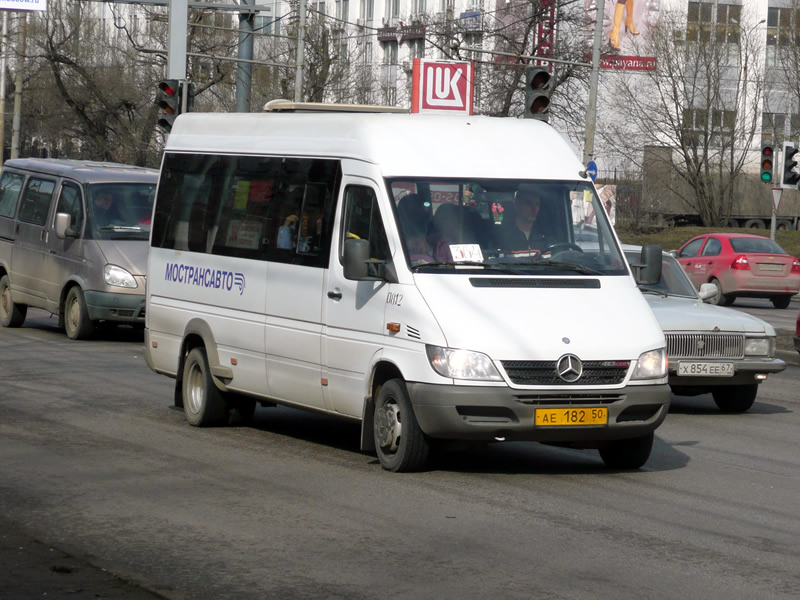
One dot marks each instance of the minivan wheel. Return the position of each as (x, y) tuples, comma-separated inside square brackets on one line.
[(627, 454), (400, 444), (203, 404), (11, 314), (76, 317), (735, 399), (781, 301)]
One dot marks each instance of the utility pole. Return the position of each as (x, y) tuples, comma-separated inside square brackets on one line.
[(244, 69), (301, 33), (3, 55), (591, 108), (18, 80)]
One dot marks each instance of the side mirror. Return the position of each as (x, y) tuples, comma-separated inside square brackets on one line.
[(63, 228), (650, 273), (358, 266), (707, 290)]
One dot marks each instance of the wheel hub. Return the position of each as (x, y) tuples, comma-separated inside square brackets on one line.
[(388, 427)]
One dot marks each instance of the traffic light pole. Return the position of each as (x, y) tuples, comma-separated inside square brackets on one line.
[(176, 47), (591, 109)]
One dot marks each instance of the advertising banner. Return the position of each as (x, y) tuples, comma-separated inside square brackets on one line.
[(40, 5), (625, 26), (442, 85)]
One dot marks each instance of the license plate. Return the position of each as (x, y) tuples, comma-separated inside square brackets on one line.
[(705, 369), (571, 417), (770, 267)]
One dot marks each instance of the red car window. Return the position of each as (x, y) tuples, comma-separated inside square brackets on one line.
[(713, 247), (691, 249)]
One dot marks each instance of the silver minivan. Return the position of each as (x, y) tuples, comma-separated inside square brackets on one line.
[(74, 240)]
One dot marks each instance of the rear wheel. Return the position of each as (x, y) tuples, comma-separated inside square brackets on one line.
[(11, 314), (719, 298), (76, 316), (781, 301), (754, 224), (203, 404), (735, 399), (627, 454), (400, 444)]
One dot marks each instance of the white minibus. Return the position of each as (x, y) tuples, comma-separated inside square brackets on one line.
[(419, 274)]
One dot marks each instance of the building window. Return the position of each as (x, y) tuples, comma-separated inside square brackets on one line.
[(724, 20), (779, 34), (773, 127)]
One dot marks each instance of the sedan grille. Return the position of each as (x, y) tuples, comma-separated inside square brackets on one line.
[(543, 372), (705, 345)]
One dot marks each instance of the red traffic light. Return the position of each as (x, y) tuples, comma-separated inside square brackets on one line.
[(169, 87)]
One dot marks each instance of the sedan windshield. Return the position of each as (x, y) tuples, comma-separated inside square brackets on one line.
[(517, 227), (121, 210)]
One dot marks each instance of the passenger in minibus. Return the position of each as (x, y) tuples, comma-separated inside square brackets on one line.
[(522, 231)]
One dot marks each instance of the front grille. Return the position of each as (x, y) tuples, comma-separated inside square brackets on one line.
[(705, 345), (576, 399), (543, 372)]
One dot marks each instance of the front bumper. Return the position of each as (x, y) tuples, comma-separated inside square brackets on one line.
[(110, 306), (487, 413)]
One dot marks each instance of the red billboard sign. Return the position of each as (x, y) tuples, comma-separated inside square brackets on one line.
[(439, 85)]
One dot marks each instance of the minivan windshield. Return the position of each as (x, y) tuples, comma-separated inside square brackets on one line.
[(519, 227), (121, 210)]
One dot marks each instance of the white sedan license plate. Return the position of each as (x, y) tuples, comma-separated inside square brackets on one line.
[(705, 369)]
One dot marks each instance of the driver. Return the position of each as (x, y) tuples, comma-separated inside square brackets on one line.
[(520, 233)]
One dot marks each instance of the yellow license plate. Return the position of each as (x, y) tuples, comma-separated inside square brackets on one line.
[(571, 417)]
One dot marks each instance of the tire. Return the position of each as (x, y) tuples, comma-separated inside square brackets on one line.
[(11, 314), (76, 316), (399, 442), (731, 223), (735, 399), (781, 301), (719, 299), (240, 409), (754, 224), (203, 403), (627, 454)]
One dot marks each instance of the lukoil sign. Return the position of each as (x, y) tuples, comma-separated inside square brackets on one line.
[(441, 85)]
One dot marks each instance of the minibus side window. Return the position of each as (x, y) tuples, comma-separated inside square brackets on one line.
[(36, 201), (10, 186), (362, 220), (69, 201)]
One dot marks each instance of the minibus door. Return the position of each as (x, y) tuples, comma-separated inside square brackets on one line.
[(64, 256), (31, 235), (353, 311)]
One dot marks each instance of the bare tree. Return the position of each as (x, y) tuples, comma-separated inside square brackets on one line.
[(700, 106)]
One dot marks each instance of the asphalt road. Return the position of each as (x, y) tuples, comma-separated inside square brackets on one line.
[(98, 469)]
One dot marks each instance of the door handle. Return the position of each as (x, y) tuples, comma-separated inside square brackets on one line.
[(335, 295)]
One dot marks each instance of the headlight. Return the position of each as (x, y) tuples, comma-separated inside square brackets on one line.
[(651, 365), (118, 277), (759, 346), (462, 364)]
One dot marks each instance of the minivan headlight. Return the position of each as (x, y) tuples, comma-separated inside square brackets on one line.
[(118, 277), (651, 365), (462, 364), (759, 346)]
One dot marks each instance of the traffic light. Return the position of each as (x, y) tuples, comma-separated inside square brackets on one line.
[(767, 162), (790, 176), (169, 101), (538, 83)]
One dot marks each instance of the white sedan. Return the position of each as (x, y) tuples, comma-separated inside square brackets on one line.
[(711, 349)]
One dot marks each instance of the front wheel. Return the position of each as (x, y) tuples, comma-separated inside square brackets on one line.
[(627, 454), (203, 403), (399, 441), (76, 316), (11, 314), (735, 399)]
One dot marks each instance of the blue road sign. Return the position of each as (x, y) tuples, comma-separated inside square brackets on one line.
[(591, 169)]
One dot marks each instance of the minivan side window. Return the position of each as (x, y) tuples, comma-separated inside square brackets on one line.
[(265, 208), (36, 201), (10, 186), (69, 201), (362, 220)]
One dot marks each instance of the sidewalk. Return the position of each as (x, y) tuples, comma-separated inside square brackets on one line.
[(35, 570)]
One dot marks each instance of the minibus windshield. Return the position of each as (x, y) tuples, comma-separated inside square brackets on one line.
[(121, 210), (524, 227)]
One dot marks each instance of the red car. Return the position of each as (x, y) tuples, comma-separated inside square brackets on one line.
[(741, 266)]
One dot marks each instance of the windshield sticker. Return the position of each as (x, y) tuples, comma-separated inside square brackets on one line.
[(205, 277), (466, 252)]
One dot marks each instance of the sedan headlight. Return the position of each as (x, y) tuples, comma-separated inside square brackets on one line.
[(759, 346), (462, 364), (118, 277), (651, 365)]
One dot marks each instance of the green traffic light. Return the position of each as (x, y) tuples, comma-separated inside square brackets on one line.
[(766, 177)]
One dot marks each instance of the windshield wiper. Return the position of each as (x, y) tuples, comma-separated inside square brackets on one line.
[(120, 228), (648, 290), (489, 266)]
